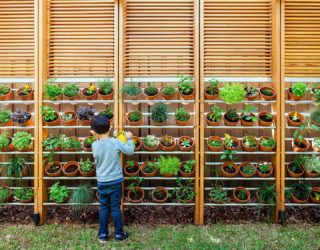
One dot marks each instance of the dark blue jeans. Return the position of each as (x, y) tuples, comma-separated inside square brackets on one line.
[(110, 200)]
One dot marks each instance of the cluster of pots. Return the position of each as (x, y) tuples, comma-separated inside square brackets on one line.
[(70, 169), (12, 198), (19, 94), (231, 169)]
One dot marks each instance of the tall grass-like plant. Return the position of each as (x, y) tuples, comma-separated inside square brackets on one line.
[(132, 91), (81, 196), (159, 112), (232, 93)]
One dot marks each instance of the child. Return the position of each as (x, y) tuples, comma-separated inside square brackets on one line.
[(106, 152)]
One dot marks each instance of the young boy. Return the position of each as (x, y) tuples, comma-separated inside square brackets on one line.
[(106, 152)]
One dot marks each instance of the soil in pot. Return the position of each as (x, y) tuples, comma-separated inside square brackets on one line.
[(241, 195), (209, 96), (131, 168), (264, 170), (229, 169), (106, 96), (267, 93), (25, 97), (149, 169), (295, 119), (71, 169), (53, 169), (235, 144), (300, 146), (136, 195), (265, 119), (230, 121), (248, 120), (151, 93), (295, 171), (159, 194), (89, 96), (187, 168)]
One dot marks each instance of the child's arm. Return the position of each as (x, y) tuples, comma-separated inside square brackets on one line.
[(126, 148)]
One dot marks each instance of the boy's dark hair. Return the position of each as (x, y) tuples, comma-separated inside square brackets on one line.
[(100, 124)]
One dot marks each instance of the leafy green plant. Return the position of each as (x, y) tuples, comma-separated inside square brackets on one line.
[(86, 166), (215, 114), (25, 90), (249, 141), (105, 87), (5, 116), (149, 167), (248, 169), (135, 116), (215, 143), (267, 92), (264, 167), (228, 141), (184, 192), (168, 165), (301, 189), (185, 85), (315, 92), (150, 141), (23, 194), (85, 113), (4, 140), (268, 142), (232, 93), (303, 131), (188, 166), (295, 117), (58, 193), (315, 115), (316, 142), (299, 89), (72, 143), (136, 192), (71, 90), (150, 91), (4, 89), (298, 164), (132, 91), (247, 113), (4, 194), (22, 140), (15, 166), (182, 114), (159, 112), (53, 142), (80, 196), (241, 194), (232, 115), (132, 167), (52, 92), (108, 113), (87, 142), (312, 164), (168, 90), (229, 155), (251, 91), (212, 87), (48, 114), (267, 194), (218, 194)]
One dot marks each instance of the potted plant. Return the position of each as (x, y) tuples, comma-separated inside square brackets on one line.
[(185, 143), (71, 91), (50, 117), (267, 194), (53, 143), (80, 196), (264, 169), (132, 91), (87, 143), (168, 92), (315, 92), (229, 169), (149, 169), (72, 144), (295, 119), (231, 142), (16, 167), (186, 87), (215, 143), (312, 166), (87, 168), (71, 169), (296, 168), (167, 143), (69, 118), (214, 117), (137, 143), (131, 168), (85, 115), (218, 195), (150, 143), (247, 170), (168, 166), (23, 195), (297, 91), (159, 113), (25, 93), (5, 92), (105, 89), (232, 93), (316, 144), (90, 93), (252, 93), (22, 141), (151, 92), (187, 168), (5, 142), (135, 118), (267, 144), (265, 119), (58, 193), (21, 118), (211, 91), (300, 192), (315, 116), (231, 118), (247, 116), (135, 193), (249, 143), (300, 144), (184, 192), (5, 118), (182, 117), (159, 195), (53, 169), (5, 195), (241, 195), (108, 113), (315, 195), (52, 92), (268, 93)]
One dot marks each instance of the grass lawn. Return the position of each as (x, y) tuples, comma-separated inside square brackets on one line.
[(243, 236)]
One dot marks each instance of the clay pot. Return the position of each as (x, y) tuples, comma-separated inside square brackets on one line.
[(137, 123), (263, 148), (148, 97), (211, 123), (292, 174), (184, 174), (294, 199), (10, 146), (188, 97), (299, 149), (69, 165), (72, 149), (314, 147), (106, 97), (132, 174), (312, 199), (237, 142), (56, 122), (72, 122), (90, 97), (8, 96), (158, 123), (214, 138), (157, 200), (246, 164), (228, 123), (24, 201), (252, 97), (138, 148), (265, 97), (250, 149), (85, 122), (167, 97), (71, 98), (229, 175), (262, 122), (88, 149), (27, 97), (236, 199), (211, 97), (87, 174), (310, 174), (247, 123), (170, 148), (153, 173), (10, 196), (137, 189), (293, 123), (25, 124), (292, 96), (181, 148), (262, 175), (7, 124), (56, 174), (182, 123)]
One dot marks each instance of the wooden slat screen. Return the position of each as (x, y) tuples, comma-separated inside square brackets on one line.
[(237, 37), (16, 38), (158, 37), (81, 38), (302, 38)]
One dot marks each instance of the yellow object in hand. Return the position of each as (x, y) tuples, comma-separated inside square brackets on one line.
[(122, 137)]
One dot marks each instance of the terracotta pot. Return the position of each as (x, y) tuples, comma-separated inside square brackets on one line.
[(183, 148), (25, 124), (215, 138), (263, 148), (235, 140), (7, 124), (211, 123), (72, 122), (137, 123), (226, 174), (262, 122), (182, 123), (85, 122), (170, 148), (56, 122), (167, 97), (90, 97), (27, 97), (153, 97), (211, 97), (312, 199), (88, 149), (88, 174), (145, 173), (68, 165), (138, 189), (262, 175), (158, 123), (294, 199), (292, 174), (188, 97), (56, 174), (10, 196), (247, 123), (292, 96), (250, 149), (71, 98), (243, 164), (314, 147), (151, 149), (236, 199), (8, 96), (228, 123), (132, 174), (298, 149), (162, 189), (167, 175), (184, 174), (310, 174), (252, 97), (10, 146), (106, 97), (293, 123), (138, 148), (24, 201), (268, 98)]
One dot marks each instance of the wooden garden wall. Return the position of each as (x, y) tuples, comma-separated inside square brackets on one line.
[(258, 43)]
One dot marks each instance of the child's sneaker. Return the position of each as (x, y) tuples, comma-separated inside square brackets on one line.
[(102, 238), (120, 237)]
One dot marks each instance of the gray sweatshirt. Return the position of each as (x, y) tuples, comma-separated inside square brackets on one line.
[(106, 153)]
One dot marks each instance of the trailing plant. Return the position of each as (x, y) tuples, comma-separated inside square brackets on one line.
[(52, 92), (268, 142), (22, 140), (4, 89), (168, 165), (299, 89), (150, 141), (312, 164), (132, 91), (188, 166), (232, 93), (229, 155), (72, 143), (23, 194), (185, 190), (91, 90), (87, 165), (250, 141), (85, 113), (247, 113), (71, 90), (81, 195), (135, 116), (20, 117), (53, 142), (301, 189), (105, 86), (4, 140), (212, 87), (159, 112), (151, 90), (185, 85), (48, 114), (5, 116), (108, 113), (168, 90), (182, 114), (215, 114), (218, 194), (58, 193)]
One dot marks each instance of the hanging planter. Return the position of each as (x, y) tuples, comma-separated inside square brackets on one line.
[(267, 144), (25, 93), (71, 169), (300, 145), (151, 93), (53, 169), (71, 92), (168, 143), (215, 143), (265, 119), (159, 195), (247, 170), (241, 195), (252, 93), (5, 93), (187, 168), (168, 92), (90, 93), (137, 143), (231, 142), (249, 144), (211, 91), (69, 119), (135, 118), (314, 195), (268, 93), (229, 169), (149, 169), (295, 119), (264, 169), (105, 90), (231, 118), (185, 143), (295, 169), (182, 117), (87, 168), (131, 168)]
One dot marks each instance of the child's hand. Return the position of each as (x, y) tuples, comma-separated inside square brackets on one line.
[(128, 135)]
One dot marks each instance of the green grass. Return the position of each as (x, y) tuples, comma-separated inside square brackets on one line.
[(243, 236)]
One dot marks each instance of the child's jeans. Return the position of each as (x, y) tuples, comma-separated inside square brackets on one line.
[(110, 199)]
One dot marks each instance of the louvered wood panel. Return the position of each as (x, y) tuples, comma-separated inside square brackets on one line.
[(16, 38), (237, 37), (81, 38), (302, 38), (158, 37)]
